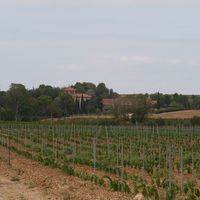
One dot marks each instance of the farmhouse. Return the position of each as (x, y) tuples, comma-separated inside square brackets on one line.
[(78, 97)]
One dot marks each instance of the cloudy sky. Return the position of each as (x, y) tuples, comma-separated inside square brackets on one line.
[(131, 45)]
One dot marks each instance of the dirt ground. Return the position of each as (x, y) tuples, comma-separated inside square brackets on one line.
[(27, 180), (16, 190), (185, 114), (14, 186)]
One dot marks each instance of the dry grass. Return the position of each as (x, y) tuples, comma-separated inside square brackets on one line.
[(185, 114)]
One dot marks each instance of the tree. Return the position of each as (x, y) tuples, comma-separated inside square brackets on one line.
[(67, 104), (45, 90), (17, 100), (140, 108), (167, 100), (85, 87), (158, 101), (92, 105), (182, 100), (196, 102), (134, 104), (56, 107), (21, 104), (139, 114), (102, 90), (44, 106), (83, 104), (2, 103)]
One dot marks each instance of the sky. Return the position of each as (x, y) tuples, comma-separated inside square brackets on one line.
[(134, 46)]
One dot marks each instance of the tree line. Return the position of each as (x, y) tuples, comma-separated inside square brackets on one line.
[(19, 103), (137, 106), (167, 102)]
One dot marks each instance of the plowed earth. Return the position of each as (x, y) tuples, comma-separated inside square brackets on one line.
[(26, 179)]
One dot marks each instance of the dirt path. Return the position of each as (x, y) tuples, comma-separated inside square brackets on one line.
[(16, 190)]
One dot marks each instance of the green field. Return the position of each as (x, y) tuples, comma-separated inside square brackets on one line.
[(160, 162)]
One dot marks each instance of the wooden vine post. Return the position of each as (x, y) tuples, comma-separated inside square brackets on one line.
[(9, 146)]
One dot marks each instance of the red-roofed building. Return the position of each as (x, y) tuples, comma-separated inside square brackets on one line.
[(78, 97), (70, 90)]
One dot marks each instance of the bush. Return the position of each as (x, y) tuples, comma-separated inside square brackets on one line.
[(195, 121), (160, 122)]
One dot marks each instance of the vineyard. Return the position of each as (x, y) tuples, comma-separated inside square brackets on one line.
[(159, 162)]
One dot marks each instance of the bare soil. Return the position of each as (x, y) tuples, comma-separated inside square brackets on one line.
[(12, 189), (28, 179), (185, 114)]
